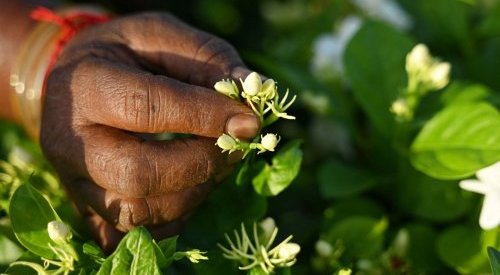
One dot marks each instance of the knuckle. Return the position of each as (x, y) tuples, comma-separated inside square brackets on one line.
[(132, 180), (134, 212), (140, 104)]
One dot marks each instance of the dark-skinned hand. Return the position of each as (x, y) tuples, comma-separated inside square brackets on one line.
[(145, 73)]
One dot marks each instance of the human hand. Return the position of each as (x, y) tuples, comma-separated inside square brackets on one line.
[(145, 73)]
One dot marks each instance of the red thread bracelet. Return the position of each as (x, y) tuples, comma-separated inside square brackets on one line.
[(71, 23)]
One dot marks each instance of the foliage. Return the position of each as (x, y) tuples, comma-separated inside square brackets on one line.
[(373, 191)]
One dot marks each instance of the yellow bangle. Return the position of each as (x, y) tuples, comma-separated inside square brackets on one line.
[(28, 76), (29, 73)]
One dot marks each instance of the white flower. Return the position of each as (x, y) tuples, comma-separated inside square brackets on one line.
[(328, 49), (59, 232), (440, 75), (488, 184), (268, 90), (323, 248), (288, 251), (227, 88), (269, 142), (252, 84), (387, 11), (227, 142), (418, 59)]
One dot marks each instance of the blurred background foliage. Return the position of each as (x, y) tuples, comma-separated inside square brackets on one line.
[(358, 202)]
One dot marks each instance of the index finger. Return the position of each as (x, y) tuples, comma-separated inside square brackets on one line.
[(134, 100)]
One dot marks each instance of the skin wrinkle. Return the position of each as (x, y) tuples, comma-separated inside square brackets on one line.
[(108, 71)]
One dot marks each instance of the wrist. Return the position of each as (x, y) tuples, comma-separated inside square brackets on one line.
[(37, 56)]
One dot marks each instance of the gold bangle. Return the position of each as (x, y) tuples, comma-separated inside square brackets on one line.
[(28, 75)]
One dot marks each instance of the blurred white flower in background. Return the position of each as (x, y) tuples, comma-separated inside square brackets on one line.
[(488, 184), (385, 10), (328, 49)]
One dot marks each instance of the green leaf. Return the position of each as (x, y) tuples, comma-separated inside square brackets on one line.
[(274, 178), (94, 251), (432, 199), (135, 254), (445, 21), (460, 93), (458, 141), (375, 62), (464, 248), (30, 213), (422, 249), (494, 256), (167, 249), (362, 237), (337, 180), (248, 171)]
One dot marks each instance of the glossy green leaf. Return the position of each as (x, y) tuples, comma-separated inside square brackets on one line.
[(92, 250), (362, 237), (273, 179), (30, 213), (458, 141), (135, 254), (494, 256), (374, 62), (464, 248), (338, 180)]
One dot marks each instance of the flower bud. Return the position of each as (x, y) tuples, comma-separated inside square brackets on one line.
[(268, 90), (269, 142), (323, 248), (288, 251), (59, 232), (268, 225), (226, 142), (418, 59), (252, 84), (400, 108), (196, 255), (227, 88), (440, 75)]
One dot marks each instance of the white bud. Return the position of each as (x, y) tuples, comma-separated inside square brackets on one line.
[(440, 75), (269, 142), (59, 232), (323, 248), (418, 59), (268, 225), (268, 89), (227, 87), (252, 84), (288, 251), (400, 108), (226, 142)]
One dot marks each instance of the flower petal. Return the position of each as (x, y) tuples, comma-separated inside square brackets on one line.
[(490, 213), (490, 174), (474, 186)]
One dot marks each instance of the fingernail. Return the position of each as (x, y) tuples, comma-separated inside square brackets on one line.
[(242, 126)]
